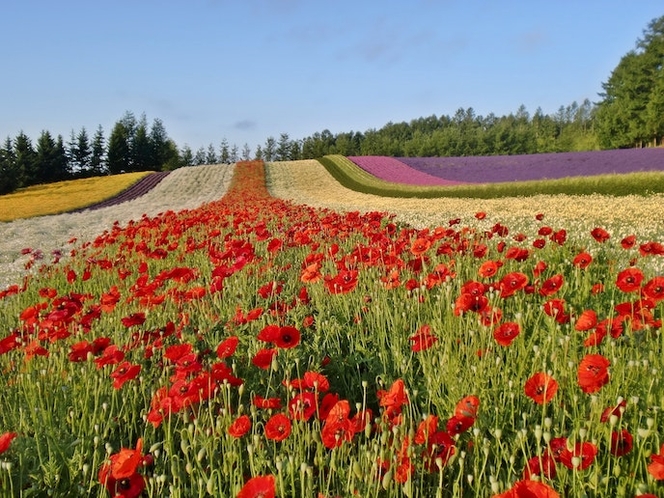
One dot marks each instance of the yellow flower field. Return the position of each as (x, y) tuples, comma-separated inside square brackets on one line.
[(61, 197)]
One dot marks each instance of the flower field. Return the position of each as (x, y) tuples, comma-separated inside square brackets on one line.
[(292, 338), (40, 200), (524, 167)]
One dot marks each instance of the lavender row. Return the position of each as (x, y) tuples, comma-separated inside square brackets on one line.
[(138, 189), (489, 169), (393, 170)]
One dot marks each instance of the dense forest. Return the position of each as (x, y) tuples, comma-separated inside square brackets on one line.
[(629, 114)]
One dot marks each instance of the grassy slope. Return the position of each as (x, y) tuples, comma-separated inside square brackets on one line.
[(353, 177), (60, 197)]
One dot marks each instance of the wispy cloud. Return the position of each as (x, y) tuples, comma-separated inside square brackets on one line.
[(245, 124)]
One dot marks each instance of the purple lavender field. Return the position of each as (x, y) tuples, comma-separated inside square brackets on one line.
[(394, 170), (492, 169)]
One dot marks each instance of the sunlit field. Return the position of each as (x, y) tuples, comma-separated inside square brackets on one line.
[(61, 197), (305, 340)]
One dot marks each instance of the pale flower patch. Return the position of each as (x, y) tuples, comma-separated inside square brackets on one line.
[(184, 188)]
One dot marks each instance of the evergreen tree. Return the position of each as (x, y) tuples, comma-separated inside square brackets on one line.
[(283, 148), (80, 153), (259, 153), (97, 159), (186, 156), (234, 155), (246, 152), (26, 160), (160, 145), (211, 155), (270, 149), (118, 158), (171, 157), (8, 174), (45, 170), (61, 164), (199, 157), (224, 152), (623, 118), (142, 158)]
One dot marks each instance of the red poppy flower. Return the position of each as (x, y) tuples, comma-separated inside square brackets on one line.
[(440, 447), (629, 280), (559, 237), (654, 289), (227, 347), (556, 309), (621, 443), (511, 283), (470, 302), (551, 285), (316, 381), (278, 427), (395, 397), (580, 457), (427, 427), (539, 243), (259, 487), (582, 260), (287, 337), (628, 242), (124, 372), (344, 282), (112, 355), (506, 332), (274, 245), (593, 373), (303, 406), (420, 246), (467, 407), (6, 440), (600, 235), (128, 487), (489, 269), (458, 425), (240, 426), (133, 319), (540, 466), (613, 411), (656, 466), (126, 461), (651, 249), (587, 320), (266, 403), (541, 388), (263, 358), (423, 339), (528, 488)]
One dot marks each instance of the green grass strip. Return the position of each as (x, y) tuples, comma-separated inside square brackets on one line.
[(355, 178)]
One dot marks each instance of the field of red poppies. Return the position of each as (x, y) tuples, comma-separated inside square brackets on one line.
[(254, 347)]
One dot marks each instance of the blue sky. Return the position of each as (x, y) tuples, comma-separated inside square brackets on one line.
[(245, 70)]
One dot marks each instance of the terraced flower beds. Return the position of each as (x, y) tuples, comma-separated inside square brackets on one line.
[(253, 346), (493, 169), (140, 188), (383, 177), (394, 170), (27, 243), (61, 197)]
